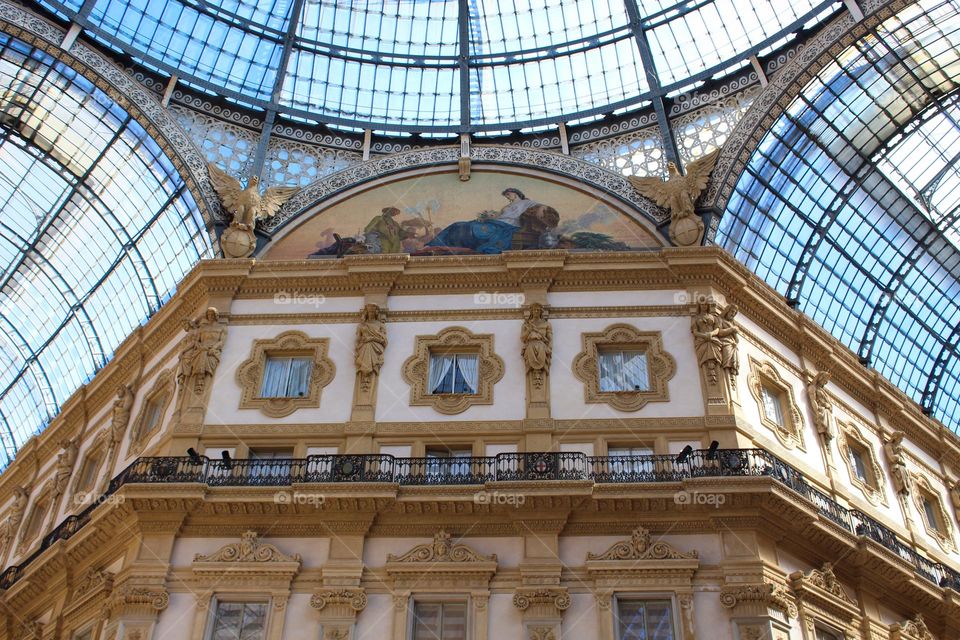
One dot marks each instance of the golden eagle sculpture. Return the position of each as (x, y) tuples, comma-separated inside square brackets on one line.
[(678, 194), (247, 205)]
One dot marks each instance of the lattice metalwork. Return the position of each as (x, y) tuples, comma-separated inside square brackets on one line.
[(704, 130), (96, 230), (638, 153), (849, 208), (296, 163)]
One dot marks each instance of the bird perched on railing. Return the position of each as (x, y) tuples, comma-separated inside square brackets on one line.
[(247, 205)]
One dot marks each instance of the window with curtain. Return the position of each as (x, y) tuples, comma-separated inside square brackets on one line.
[(644, 620), (270, 463), (286, 377), (772, 405), (628, 462), (623, 370), (239, 621), (443, 461), (454, 373), (858, 461), (440, 621)]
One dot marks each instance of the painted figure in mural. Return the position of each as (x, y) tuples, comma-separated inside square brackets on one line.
[(384, 234), (517, 225)]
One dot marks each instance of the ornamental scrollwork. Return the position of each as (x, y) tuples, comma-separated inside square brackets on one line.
[(249, 549), (640, 546), (441, 550)]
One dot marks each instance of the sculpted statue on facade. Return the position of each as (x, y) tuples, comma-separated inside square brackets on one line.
[(678, 194), (955, 495), (21, 495), (65, 462), (371, 343), (898, 462), (199, 357), (822, 405), (716, 338), (537, 337), (120, 415), (246, 207)]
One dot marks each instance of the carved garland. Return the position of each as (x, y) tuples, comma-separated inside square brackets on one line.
[(416, 369), (924, 488), (874, 492), (790, 433), (287, 344), (661, 366), (249, 549), (161, 393)]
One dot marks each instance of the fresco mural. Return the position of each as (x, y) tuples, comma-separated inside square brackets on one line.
[(436, 214)]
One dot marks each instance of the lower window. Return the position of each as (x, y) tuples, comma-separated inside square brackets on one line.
[(439, 621), (239, 621), (823, 634), (644, 620)]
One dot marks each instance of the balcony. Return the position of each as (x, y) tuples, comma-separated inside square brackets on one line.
[(506, 467)]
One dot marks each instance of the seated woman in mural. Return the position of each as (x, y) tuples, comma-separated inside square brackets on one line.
[(517, 226)]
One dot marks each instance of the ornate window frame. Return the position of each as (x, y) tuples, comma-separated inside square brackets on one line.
[(250, 570), (924, 488), (661, 366), (763, 373), (823, 602), (441, 569), (287, 344), (45, 495), (642, 568), (416, 369), (98, 448), (875, 493), (162, 389)]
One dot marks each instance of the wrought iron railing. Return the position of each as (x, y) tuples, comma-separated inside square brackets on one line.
[(505, 467)]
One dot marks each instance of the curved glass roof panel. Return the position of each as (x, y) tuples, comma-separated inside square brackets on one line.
[(849, 206), (96, 229), (443, 65)]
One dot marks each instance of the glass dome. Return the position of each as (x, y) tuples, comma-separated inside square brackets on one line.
[(97, 227), (849, 207), (443, 65)]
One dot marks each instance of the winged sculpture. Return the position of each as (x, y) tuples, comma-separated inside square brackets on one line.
[(678, 194), (247, 205)]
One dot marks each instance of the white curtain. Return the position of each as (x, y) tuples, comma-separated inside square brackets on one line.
[(439, 368), (285, 377), (623, 371), (275, 375), (469, 370), (771, 406), (635, 371), (608, 371), (299, 377)]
